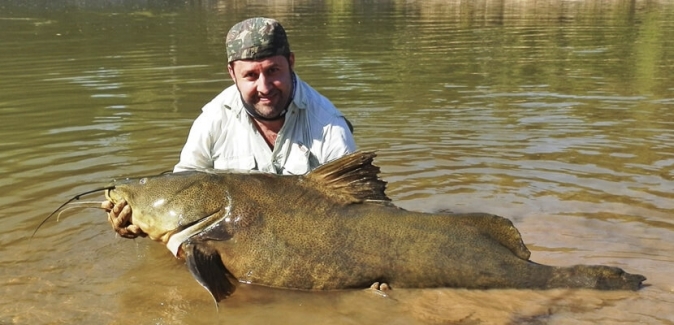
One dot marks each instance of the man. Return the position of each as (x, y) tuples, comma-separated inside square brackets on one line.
[(269, 120)]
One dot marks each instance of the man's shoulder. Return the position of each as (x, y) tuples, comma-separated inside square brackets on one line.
[(317, 106), (224, 102)]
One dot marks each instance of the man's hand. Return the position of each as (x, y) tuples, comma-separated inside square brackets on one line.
[(119, 216)]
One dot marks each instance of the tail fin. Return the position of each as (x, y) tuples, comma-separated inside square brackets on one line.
[(595, 277)]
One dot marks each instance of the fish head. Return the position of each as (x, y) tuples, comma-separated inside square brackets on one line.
[(165, 204), (174, 207)]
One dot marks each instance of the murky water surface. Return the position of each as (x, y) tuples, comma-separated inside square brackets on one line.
[(556, 114)]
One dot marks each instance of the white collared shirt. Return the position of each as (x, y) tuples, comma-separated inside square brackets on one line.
[(224, 136)]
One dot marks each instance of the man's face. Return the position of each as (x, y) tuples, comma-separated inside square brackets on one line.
[(265, 85)]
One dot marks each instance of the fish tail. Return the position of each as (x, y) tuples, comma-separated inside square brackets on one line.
[(594, 277)]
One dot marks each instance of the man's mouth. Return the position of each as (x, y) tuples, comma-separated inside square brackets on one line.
[(268, 99)]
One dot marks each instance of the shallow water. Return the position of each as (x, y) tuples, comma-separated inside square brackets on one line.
[(556, 114)]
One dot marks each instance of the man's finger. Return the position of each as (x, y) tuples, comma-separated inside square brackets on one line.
[(106, 205), (119, 206)]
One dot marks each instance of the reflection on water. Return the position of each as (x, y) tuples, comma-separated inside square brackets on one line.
[(556, 114)]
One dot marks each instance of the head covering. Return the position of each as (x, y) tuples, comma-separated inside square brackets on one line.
[(256, 38)]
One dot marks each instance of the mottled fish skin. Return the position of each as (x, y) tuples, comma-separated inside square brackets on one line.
[(335, 228)]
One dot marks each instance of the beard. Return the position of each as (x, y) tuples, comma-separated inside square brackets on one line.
[(265, 112), (272, 110)]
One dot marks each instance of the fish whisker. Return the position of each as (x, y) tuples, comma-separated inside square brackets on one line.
[(76, 197), (80, 205)]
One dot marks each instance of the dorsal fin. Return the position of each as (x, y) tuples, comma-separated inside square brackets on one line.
[(350, 179)]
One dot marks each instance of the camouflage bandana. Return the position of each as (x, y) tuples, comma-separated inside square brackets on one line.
[(256, 38)]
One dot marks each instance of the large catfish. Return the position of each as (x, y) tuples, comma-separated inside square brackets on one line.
[(334, 228)]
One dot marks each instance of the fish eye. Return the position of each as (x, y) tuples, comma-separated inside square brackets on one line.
[(142, 181)]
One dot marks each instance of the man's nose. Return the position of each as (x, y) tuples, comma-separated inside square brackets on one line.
[(264, 84)]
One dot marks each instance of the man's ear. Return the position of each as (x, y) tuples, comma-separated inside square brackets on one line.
[(291, 60), (230, 69)]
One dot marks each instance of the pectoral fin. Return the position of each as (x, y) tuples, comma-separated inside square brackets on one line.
[(207, 268)]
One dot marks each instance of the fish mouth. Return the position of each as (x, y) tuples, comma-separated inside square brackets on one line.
[(107, 194), (114, 196)]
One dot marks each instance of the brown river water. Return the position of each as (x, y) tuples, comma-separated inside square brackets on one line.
[(556, 114)]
